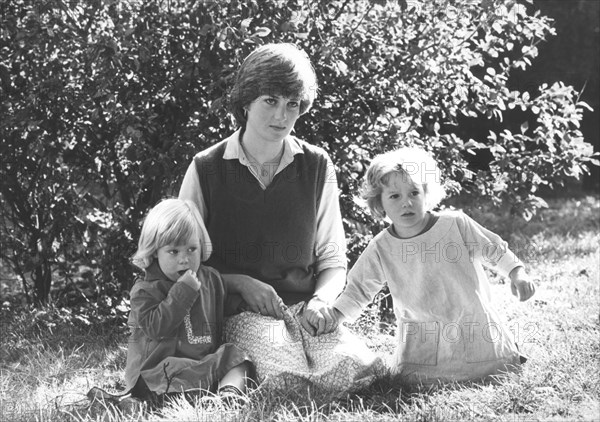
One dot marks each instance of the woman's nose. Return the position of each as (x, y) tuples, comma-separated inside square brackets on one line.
[(281, 113)]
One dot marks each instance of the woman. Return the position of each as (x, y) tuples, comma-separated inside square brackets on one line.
[(270, 204)]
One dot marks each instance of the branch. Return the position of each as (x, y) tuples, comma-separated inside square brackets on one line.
[(340, 10), (361, 19), (169, 378), (71, 19), (88, 25)]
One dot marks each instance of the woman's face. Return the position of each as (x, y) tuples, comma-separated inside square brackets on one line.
[(271, 117)]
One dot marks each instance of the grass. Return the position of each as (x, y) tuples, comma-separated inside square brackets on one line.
[(49, 358)]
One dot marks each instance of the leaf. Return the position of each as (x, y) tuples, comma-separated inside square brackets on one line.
[(342, 67), (501, 104), (205, 29), (472, 144), (585, 105), (262, 32), (595, 161), (245, 24)]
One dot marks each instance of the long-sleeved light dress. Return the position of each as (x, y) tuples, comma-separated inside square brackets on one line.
[(447, 327)]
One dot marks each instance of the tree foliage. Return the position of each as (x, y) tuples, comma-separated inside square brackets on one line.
[(105, 102)]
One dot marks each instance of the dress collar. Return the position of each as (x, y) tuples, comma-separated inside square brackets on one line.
[(154, 273)]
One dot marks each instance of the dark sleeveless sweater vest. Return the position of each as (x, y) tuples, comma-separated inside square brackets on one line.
[(267, 234)]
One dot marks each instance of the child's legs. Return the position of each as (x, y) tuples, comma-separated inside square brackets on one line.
[(237, 376)]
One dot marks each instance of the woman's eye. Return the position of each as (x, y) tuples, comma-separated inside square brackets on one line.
[(173, 251), (193, 249), (293, 104), (416, 193), (270, 101), (394, 196)]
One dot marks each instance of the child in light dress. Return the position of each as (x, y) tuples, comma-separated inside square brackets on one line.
[(433, 264), (176, 317)]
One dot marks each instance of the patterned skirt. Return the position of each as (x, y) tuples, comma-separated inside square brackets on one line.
[(286, 356)]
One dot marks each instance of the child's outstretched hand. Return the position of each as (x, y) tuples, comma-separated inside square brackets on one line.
[(333, 317), (189, 277), (521, 284)]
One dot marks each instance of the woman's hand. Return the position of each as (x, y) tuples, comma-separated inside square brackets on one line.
[(262, 298), (319, 318)]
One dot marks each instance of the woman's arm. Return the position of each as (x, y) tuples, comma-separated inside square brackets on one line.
[(330, 283), (191, 189), (330, 246), (259, 296), (331, 257)]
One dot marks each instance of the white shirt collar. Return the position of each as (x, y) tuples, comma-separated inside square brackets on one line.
[(234, 151)]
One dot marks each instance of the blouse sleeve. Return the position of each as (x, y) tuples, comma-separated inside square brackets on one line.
[(192, 190), (331, 240), (365, 280)]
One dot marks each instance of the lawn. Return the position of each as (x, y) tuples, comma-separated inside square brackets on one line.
[(50, 358)]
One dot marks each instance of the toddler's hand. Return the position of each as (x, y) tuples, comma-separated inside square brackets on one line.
[(189, 278), (333, 317), (521, 284), (319, 318)]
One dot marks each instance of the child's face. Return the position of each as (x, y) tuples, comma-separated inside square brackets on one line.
[(404, 203), (175, 258)]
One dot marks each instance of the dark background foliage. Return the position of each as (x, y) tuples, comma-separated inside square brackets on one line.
[(572, 56), (104, 103)]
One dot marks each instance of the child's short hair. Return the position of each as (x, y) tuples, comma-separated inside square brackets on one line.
[(273, 69), (415, 163), (171, 221)]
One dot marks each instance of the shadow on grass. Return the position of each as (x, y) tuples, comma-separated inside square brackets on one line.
[(56, 330), (563, 217)]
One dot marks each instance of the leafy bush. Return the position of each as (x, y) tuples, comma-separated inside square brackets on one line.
[(105, 103)]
